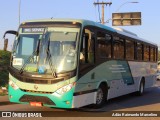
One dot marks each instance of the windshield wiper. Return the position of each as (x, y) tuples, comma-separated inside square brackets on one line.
[(34, 52), (49, 57)]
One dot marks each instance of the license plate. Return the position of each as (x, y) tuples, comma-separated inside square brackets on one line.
[(38, 104)]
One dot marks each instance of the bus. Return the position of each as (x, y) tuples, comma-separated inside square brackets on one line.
[(71, 63)]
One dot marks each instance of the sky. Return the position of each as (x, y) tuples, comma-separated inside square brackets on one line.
[(79, 9)]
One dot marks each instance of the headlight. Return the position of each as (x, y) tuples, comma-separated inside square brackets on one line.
[(65, 89), (13, 85)]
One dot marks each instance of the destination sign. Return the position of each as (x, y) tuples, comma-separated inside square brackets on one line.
[(32, 30)]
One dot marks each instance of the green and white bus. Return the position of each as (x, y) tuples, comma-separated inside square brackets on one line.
[(69, 63)]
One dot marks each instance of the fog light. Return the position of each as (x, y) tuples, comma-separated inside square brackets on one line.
[(67, 102), (10, 96)]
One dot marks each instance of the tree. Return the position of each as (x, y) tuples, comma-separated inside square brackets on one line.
[(4, 63)]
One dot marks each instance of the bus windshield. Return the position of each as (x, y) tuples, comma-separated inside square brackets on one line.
[(59, 50), (24, 48)]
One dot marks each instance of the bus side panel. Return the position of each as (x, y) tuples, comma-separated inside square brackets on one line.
[(115, 73), (118, 88), (122, 77), (143, 69), (84, 99)]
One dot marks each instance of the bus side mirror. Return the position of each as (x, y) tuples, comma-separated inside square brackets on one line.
[(6, 40), (10, 32)]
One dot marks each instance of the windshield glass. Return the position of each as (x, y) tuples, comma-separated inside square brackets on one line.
[(24, 48), (55, 51), (59, 50)]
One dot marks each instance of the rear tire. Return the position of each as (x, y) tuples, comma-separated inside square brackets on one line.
[(101, 97), (141, 88)]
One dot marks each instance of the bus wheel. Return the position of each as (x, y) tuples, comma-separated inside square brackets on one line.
[(141, 89), (101, 97)]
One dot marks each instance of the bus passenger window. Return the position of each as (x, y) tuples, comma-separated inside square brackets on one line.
[(118, 48), (139, 51), (129, 50), (156, 53), (104, 45), (152, 54), (146, 53)]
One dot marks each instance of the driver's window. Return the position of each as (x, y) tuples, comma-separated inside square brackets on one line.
[(87, 47)]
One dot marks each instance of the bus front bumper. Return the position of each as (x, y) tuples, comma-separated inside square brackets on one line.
[(49, 100)]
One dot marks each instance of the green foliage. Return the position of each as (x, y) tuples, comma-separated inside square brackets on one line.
[(4, 58), (4, 63), (3, 77)]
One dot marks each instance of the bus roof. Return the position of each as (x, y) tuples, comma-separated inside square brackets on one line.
[(88, 22), (133, 35), (82, 21)]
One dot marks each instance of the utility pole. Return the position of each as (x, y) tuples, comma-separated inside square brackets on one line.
[(102, 3), (5, 44)]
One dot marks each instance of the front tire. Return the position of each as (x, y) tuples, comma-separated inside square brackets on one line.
[(101, 97)]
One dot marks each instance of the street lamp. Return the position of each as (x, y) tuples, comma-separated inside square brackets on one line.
[(19, 11), (124, 4)]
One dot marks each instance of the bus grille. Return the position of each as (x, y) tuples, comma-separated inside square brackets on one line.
[(32, 91), (31, 98)]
